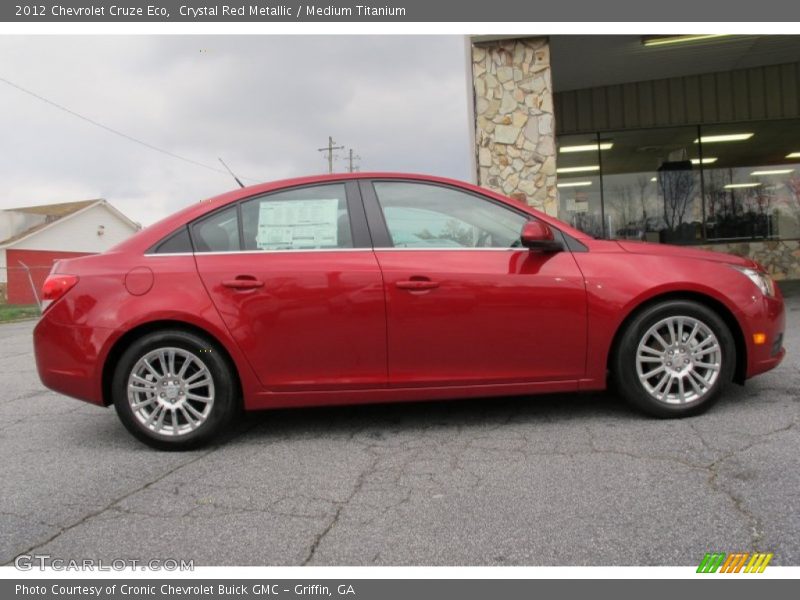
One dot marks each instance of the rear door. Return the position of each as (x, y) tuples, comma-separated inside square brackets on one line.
[(295, 279), (465, 303)]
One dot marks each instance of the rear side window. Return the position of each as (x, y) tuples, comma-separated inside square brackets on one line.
[(313, 217), (218, 232), (178, 242)]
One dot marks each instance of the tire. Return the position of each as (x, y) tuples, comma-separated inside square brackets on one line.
[(181, 377), (686, 382)]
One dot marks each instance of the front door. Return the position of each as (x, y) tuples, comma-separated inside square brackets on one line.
[(465, 303)]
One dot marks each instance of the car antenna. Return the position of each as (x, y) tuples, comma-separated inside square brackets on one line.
[(231, 172)]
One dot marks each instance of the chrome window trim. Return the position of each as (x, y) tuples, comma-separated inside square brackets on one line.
[(155, 255), (445, 249)]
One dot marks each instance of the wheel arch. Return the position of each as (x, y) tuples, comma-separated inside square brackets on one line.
[(710, 302), (122, 343)]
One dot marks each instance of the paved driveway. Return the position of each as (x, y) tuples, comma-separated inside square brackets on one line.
[(571, 479)]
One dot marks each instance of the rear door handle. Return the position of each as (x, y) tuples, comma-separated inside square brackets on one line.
[(243, 282), (417, 284)]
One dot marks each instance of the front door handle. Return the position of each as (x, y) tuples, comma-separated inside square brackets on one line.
[(243, 282), (416, 285)]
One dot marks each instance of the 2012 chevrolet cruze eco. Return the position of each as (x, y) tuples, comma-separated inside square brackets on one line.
[(387, 287)]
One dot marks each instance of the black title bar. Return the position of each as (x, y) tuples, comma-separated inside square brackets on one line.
[(734, 588), (400, 11)]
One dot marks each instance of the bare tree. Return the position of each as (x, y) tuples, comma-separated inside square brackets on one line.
[(716, 194), (643, 182), (793, 185), (676, 187), (621, 204)]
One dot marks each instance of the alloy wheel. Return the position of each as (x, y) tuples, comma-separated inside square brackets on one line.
[(170, 391), (678, 360)]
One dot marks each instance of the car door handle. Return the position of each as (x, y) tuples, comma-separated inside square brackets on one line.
[(417, 284), (243, 282)]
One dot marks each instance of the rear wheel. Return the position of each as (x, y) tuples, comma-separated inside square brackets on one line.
[(173, 390), (674, 358)]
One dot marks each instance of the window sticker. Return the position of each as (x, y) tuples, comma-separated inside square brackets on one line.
[(292, 224)]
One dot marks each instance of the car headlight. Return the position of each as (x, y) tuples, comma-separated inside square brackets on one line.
[(763, 281)]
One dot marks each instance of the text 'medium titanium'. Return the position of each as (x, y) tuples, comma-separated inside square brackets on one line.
[(168, 589)]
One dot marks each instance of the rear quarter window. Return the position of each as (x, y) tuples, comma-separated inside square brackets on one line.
[(176, 242)]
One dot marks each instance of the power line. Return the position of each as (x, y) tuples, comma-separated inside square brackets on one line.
[(130, 138)]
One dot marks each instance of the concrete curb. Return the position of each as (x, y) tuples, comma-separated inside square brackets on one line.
[(22, 320)]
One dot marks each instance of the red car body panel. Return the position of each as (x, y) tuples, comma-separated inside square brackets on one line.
[(73, 339), (495, 317), (623, 276), (352, 326), (310, 307)]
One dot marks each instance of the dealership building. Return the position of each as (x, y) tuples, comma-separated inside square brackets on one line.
[(690, 140)]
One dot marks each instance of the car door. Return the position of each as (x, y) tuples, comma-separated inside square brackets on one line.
[(293, 276), (465, 303)]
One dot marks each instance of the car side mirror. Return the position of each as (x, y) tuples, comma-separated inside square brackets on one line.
[(537, 235)]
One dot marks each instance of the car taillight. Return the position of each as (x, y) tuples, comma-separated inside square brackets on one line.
[(56, 286)]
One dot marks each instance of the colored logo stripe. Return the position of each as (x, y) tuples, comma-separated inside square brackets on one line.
[(758, 563), (711, 562), (733, 563)]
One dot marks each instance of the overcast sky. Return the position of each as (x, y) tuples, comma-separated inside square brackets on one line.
[(263, 103)]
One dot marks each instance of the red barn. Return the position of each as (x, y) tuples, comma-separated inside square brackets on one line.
[(33, 237)]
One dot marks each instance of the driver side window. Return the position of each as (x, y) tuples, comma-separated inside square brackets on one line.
[(432, 216)]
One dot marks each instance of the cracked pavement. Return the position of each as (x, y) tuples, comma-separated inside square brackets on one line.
[(575, 479)]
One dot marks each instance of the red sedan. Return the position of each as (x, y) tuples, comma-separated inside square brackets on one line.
[(384, 287)]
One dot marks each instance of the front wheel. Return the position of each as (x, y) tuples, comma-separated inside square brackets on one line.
[(173, 390), (674, 358)]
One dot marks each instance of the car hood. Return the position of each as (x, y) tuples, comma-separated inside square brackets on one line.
[(684, 252)]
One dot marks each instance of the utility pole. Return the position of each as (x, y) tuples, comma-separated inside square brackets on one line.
[(353, 168), (329, 149)]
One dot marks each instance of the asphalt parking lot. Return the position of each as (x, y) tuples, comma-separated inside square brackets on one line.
[(570, 479)]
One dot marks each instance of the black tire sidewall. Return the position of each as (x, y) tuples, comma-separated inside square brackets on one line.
[(224, 389), (624, 370)]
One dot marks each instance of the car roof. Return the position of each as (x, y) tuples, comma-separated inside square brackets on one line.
[(159, 230)]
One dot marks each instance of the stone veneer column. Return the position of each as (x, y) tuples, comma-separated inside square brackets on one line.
[(514, 124)]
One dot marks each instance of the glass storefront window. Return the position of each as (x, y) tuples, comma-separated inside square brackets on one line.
[(579, 187), (750, 189), (652, 187), (684, 185)]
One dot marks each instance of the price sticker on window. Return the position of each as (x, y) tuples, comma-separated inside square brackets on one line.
[(295, 224)]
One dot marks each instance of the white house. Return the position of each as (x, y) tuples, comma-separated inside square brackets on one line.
[(33, 237)]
